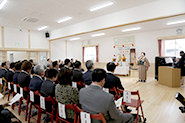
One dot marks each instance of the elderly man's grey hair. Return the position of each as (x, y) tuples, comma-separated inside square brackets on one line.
[(38, 69), (89, 64)]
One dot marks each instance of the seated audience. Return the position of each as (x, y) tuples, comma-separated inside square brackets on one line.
[(24, 77), (6, 116), (36, 81), (17, 69), (32, 71), (67, 64), (10, 72), (48, 86), (77, 74), (94, 100), (112, 80), (87, 75), (64, 92), (55, 65), (4, 69), (72, 63)]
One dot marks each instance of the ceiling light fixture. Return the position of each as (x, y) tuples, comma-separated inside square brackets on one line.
[(99, 34), (64, 19), (131, 29), (2, 3), (101, 6), (77, 38), (42, 28), (175, 22)]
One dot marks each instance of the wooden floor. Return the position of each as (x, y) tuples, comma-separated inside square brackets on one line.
[(159, 105)]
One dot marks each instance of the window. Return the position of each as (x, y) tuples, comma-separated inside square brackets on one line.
[(173, 47), (90, 53)]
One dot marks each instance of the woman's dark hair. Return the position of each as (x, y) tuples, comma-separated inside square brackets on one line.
[(26, 65), (12, 65), (111, 66), (55, 63), (65, 76), (50, 73), (144, 53), (98, 75), (3, 64), (66, 61), (77, 64), (18, 66)]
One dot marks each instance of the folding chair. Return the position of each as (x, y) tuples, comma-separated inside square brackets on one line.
[(114, 91), (78, 85), (135, 103), (92, 116), (26, 98), (10, 90), (67, 106), (40, 110)]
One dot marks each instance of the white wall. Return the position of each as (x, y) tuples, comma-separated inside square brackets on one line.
[(0, 38), (144, 42), (17, 55), (38, 40), (58, 50), (14, 38), (157, 8)]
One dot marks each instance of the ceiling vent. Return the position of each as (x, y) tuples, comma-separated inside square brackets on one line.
[(31, 20)]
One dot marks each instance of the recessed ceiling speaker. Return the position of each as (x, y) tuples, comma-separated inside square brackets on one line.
[(47, 34)]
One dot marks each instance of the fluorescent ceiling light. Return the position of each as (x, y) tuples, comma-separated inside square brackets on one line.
[(102, 6), (77, 38), (42, 28), (131, 29), (99, 34), (2, 3), (64, 19), (175, 22)]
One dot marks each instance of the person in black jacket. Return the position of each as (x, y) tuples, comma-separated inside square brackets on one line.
[(17, 69), (36, 81), (87, 75), (112, 80), (77, 74), (4, 69), (48, 86), (24, 77), (181, 64), (10, 72), (6, 116)]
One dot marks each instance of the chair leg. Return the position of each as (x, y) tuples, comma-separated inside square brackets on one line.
[(4, 90), (9, 95), (39, 115), (19, 110), (137, 118), (29, 115), (26, 115), (142, 112)]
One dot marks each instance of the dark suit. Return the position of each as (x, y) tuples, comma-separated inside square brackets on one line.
[(77, 75), (3, 72), (15, 77), (48, 88), (181, 64), (87, 77), (94, 100), (9, 75), (35, 83), (23, 79), (112, 81)]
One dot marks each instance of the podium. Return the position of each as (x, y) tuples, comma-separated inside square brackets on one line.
[(169, 76)]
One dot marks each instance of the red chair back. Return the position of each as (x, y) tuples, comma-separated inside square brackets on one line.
[(92, 116)]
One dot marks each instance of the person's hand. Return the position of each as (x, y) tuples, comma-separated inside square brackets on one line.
[(14, 120)]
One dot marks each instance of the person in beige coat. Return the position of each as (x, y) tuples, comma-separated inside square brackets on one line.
[(143, 67)]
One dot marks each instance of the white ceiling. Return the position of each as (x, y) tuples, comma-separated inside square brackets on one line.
[(145, 27), (48, 12)]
